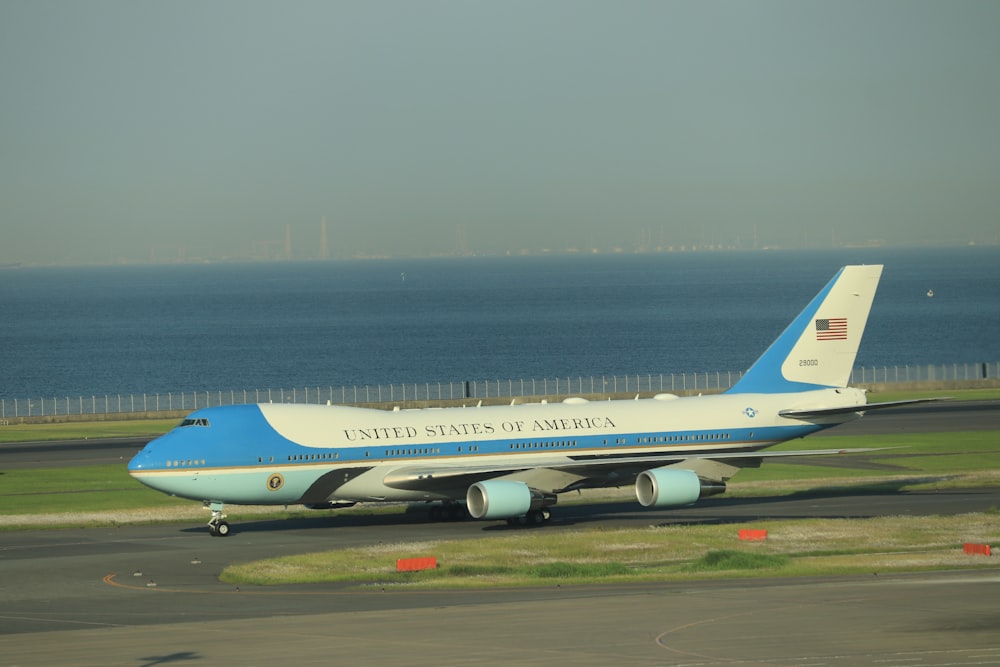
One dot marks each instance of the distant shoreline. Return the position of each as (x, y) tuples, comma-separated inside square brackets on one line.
[(510, 254)]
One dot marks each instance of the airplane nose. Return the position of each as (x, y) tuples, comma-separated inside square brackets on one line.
[(137, 460), (141, 459)]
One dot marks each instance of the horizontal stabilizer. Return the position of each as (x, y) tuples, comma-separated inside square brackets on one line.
[(825, 412)]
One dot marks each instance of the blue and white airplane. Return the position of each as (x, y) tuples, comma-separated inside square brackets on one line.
[(512, 461)]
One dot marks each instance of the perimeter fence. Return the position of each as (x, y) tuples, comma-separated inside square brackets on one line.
[(440, 391)]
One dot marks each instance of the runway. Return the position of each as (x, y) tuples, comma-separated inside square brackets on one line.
[(149, 595), (930, 620)]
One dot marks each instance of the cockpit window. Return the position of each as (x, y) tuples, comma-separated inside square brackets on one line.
[(194, 422)]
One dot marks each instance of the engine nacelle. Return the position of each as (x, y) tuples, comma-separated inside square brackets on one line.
[(498, 499), (669, 487)]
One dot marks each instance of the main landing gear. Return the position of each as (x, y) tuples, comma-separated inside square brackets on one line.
[(532, 518), (450, 511), (447, 512), (217, 527)]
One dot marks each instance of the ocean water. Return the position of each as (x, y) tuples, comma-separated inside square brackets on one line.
[(136, 329)]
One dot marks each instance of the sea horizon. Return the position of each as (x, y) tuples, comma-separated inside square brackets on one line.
[(245, 325)]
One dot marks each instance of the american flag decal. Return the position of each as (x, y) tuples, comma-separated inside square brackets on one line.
[(833, 328)]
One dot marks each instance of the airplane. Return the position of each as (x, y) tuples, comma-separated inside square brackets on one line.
[(511, 462)]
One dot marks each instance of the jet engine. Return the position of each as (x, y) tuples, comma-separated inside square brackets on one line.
[(504, 499), (671, 487)]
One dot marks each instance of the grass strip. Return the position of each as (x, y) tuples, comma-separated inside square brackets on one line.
[(134, 428), (807, 547), (986, 394), (39, 491)]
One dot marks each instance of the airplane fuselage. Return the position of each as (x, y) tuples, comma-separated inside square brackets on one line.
[(277, 453)]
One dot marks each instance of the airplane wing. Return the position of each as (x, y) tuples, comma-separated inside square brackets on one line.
[(823, 412), (608, 469)]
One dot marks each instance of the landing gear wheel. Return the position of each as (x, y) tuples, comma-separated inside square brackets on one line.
[(536, 517), (448, 512), (217, 526), (532, 518)]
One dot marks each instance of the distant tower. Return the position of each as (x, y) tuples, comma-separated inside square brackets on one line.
[(324, 249), (288, 241)]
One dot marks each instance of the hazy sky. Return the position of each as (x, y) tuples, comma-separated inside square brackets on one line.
[(133, 128)]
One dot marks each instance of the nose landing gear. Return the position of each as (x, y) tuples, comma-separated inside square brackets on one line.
[(217, 526)]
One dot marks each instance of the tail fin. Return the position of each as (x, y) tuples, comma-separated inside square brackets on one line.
[(818, 348)]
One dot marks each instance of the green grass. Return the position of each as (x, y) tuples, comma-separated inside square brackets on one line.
[(83, 430), (52, 481), (563, 570), (661, 553), (958, 394), (80, 489), (924, 458), (730, 559)]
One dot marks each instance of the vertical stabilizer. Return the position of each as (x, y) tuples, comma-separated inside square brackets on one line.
[(818, 348)]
